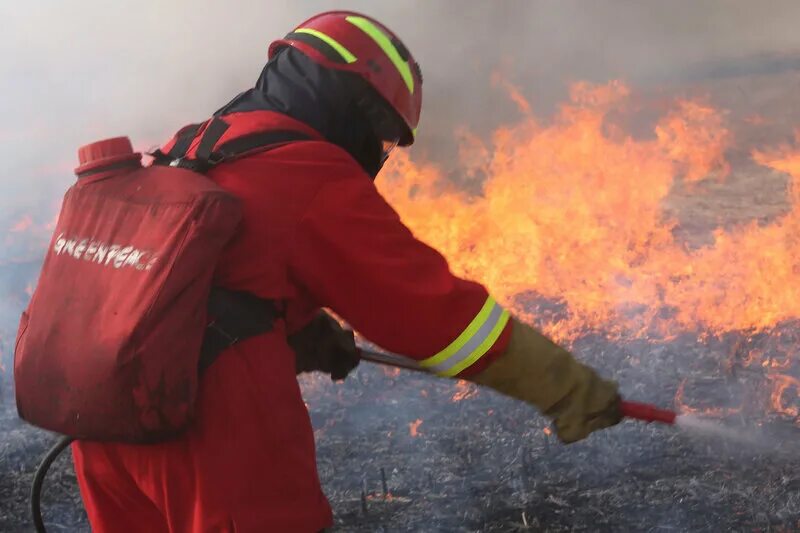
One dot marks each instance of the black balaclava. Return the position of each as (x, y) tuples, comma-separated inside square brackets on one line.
[(325, 99)]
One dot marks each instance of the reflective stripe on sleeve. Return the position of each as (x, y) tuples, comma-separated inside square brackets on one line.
[(473, 343)]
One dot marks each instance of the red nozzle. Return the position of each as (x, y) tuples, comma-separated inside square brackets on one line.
[(646, 412)]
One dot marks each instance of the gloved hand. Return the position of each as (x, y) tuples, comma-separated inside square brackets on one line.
[(324, 345), (537, 371)]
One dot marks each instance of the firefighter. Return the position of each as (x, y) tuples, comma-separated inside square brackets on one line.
[(316, 233)]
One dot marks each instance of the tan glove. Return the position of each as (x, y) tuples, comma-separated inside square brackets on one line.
[(324, 345), (536, 370)]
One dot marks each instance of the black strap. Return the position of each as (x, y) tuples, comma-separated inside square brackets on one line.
[(206, 157), (183, 140), (234, 316), (212, 134), (317, 44), (185, 137), (265, 139)]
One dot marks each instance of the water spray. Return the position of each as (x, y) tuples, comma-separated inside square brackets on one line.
[(643, 412)]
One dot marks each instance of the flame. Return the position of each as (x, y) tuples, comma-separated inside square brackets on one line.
[(570, 229), (413, 427), (513, 92), (783, 387), (691, 125), (390, 372), (547, 431), (573, 216), (464, 390)]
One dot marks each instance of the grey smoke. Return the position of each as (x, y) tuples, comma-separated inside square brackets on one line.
[(72, 72)]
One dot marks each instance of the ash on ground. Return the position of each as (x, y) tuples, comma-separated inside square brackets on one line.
[(408, 452)]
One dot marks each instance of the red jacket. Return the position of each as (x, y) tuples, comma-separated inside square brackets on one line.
[(316, 233)]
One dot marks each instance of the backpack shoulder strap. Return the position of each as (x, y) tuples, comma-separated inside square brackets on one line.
[(183, 139), (210, 153), (234, 315), (257, 141)]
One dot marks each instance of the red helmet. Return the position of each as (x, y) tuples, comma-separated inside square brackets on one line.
[(351, 42)]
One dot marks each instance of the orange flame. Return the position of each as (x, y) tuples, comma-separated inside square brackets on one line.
[(572, 213), (464, 390), (573, 216), (413, 427), (390, 372), (783, 387)]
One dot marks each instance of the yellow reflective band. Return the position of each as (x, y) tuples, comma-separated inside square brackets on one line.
[(481, 350), (414, 133), (344, 52), (473, 343), (462, 339), (386, 45)]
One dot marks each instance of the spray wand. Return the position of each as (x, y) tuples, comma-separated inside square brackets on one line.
[(647, 412), (644, 412)]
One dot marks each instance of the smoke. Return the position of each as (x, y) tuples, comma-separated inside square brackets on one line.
[(72, 72)]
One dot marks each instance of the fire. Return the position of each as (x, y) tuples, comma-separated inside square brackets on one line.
[(570, 229), (413, 427), (390, 372), (547, 431), (464, 390), (573, 215), (785, 386), (693, 124)]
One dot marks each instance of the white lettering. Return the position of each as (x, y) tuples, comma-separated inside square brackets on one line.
[(100, 256), (122, 256), (115, 255), (112, 253), (90, 251), (133, 258), (80, 248), (69, 246), (60, 242)]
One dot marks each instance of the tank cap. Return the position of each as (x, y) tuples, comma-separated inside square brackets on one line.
[(107, 154)]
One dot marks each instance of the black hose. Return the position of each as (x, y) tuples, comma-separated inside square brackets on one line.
[(38, 479)]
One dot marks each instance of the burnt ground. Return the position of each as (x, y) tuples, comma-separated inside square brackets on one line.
[(485, 463)]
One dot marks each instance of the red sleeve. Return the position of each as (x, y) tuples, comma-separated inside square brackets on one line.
[(353, 254)]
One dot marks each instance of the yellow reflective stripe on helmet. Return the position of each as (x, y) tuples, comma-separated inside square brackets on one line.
[(344, 52), (386, 45), (473, 343)]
